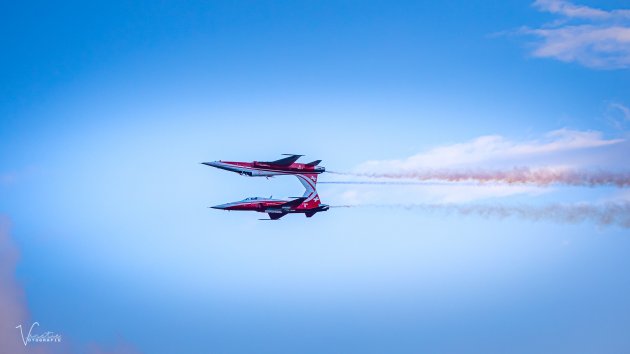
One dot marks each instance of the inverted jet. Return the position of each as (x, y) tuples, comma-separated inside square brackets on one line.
[(283, 166)]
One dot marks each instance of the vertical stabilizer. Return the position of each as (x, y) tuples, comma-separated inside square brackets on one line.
[(309, 181)]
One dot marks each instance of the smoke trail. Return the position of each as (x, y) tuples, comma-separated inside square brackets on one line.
[(517, 175), (602, 214), (395, 183)]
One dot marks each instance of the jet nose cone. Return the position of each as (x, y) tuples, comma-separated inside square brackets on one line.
[(220, 206), (213, 163)]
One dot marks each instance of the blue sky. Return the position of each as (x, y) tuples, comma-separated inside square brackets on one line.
[(108, 108)]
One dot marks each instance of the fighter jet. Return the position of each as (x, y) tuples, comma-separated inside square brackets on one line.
[(284, 166), (308, 204), (276, 208)]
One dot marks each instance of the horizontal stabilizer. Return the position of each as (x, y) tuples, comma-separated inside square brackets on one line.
[(314, 163), (286, 161)]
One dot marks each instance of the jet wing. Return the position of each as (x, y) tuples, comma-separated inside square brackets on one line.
[(286, 161), (276, 216), (295, 202)]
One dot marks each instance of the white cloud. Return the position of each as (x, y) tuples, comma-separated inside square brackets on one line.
[(12, 298), (600, 39), (568, 9), (553, 154), (625, 111), (618, 115), (493, 149)]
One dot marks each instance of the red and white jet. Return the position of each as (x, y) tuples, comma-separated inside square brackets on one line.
[(309, 204), (284, 166)]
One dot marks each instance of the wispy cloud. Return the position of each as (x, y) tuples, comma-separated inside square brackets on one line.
[(494, 150), (618, 115), (498, 171), (489, 167), (592, 37), (12, 299), (625, 111), (570, 10)]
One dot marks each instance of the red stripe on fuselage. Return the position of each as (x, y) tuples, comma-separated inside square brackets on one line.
[(276, 168)]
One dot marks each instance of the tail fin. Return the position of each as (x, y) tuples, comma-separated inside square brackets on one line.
[(309, 181), (313, 163), (286, 161)]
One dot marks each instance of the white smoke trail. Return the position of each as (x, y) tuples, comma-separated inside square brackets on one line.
[(392, 183), (518, 175), (612, 213)]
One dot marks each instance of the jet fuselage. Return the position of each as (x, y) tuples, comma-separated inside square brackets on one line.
[(262, 169), (276, 208)]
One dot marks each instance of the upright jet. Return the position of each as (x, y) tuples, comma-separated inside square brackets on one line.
[(284, 166), (309, 204)]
